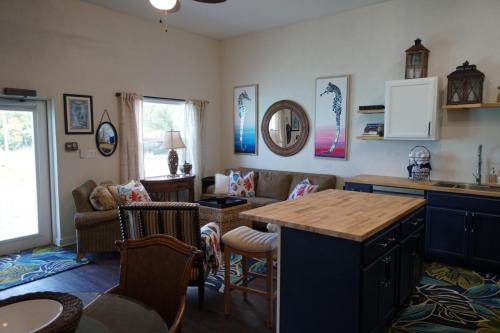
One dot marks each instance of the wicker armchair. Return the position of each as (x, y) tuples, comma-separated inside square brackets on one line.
[(177, 219), (96, 231), (155, 270)]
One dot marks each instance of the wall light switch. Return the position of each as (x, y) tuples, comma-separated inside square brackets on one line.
[(71, 146)]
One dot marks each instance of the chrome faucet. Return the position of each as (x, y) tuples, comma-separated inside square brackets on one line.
[(477, 175)]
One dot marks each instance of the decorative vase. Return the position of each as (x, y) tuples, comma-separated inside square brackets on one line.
[(173, 162), (187, 168)]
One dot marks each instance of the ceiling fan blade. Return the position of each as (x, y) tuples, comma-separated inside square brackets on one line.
[(210, 1)]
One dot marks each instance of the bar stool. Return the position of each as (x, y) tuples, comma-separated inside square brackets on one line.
[(249, 243)]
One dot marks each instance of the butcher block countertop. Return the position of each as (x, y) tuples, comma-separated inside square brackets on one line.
[(344, 214), (407, 183)]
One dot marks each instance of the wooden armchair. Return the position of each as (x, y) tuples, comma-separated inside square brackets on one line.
[(155, 270), (177, 219)]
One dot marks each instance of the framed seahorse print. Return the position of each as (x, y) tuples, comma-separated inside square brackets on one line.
[(245, 113), (332, 117)]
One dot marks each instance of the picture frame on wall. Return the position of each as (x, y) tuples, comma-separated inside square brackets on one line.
[(245, 119), (332, 117), (78, 114)]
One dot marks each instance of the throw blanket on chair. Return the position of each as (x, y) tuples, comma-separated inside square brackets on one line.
[(210, 245)]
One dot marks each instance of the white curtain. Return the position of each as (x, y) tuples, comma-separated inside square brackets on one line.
[(130, 128), (194, 134)]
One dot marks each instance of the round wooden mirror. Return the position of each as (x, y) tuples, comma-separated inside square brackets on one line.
[(106, 138), (285, 128)]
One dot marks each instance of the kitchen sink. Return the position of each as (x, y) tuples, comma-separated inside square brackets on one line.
[(473, 187)]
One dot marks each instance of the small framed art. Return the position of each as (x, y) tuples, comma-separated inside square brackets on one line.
[(78, 114)]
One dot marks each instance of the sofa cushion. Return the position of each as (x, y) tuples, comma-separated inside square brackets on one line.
[(303, 188), (324, 182), (272, 184), (128, 193), (101, 199), (221, 184), (256, 202), (241, 186)]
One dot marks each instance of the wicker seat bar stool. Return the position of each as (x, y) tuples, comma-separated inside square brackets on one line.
[(249, 243)]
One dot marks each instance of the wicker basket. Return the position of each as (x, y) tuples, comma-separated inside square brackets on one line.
[(419, 164), (227, 218)]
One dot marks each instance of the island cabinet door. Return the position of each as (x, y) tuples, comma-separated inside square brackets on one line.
[(379, 295), (446, 232), (411, 260), (485, 236)]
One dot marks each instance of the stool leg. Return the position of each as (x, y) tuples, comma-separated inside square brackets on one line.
[(227, 280), (269, 295), (244, 261)]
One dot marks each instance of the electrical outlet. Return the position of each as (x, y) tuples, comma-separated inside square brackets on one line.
[(87, 153)]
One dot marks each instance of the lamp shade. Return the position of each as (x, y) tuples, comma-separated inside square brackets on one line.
[(173, 140)]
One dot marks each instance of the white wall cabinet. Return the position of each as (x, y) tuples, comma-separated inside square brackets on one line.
[(411, 109)]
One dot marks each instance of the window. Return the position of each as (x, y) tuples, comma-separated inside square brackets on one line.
[(159, 116)]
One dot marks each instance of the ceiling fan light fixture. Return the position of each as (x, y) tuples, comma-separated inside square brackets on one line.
[(164, 4)]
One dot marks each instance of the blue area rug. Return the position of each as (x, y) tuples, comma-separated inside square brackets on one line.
[(35, 264), (216, 281)]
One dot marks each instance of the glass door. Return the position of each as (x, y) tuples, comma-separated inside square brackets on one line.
[(25, 214)]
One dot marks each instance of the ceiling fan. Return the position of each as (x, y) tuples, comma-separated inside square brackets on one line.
[(172, 6)]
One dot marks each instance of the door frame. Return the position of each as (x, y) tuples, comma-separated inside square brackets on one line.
[(52, 164)]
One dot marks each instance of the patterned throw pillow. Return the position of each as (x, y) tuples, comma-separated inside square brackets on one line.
[(101, 199), (131, 192), (242, 186), (303, 188)]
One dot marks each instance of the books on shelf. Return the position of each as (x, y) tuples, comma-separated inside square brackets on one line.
[(374, 129)]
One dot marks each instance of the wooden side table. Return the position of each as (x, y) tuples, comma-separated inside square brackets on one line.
[(161, 188), (227, 218)]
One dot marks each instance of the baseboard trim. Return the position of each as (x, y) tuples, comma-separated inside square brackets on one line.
[(65, 241)]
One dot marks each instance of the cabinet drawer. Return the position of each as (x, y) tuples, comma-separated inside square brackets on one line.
[(380, 244), (412, 223), (464, 202)]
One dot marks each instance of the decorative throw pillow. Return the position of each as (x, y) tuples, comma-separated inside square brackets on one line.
[(132, 192), (221, 184), (101, 199), (303, 188), (242, 186)]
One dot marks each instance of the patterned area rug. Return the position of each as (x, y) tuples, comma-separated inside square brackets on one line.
[(216, 281), (452, 300), (31, 265)]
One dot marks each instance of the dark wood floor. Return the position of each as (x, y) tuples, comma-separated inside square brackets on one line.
[(103, 272)]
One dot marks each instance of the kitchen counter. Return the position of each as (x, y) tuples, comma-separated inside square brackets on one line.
[(407, 183), (342, 214)]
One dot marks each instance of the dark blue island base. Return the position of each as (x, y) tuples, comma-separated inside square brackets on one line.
[(330, 284)]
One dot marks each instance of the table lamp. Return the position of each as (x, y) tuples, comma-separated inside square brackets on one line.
[(173, 141)]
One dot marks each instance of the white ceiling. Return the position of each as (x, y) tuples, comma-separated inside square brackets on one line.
[(237, 17)]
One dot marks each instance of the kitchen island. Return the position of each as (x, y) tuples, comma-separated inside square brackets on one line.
[(347, 260)]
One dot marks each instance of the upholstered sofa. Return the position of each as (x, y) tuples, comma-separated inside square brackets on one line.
[(272, 186), (96, 231)]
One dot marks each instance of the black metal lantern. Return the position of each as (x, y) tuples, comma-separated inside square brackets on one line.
[(465, 85), (417, 61)]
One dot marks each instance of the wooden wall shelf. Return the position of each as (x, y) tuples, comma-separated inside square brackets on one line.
[(370, 138), (472, 106)]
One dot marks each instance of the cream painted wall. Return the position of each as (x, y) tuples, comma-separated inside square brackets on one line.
[(68, 46), (368, 43)]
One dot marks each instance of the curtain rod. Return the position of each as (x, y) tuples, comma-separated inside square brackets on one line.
[(154, 97)]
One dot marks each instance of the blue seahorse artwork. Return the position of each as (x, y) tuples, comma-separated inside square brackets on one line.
[(331, 115), (245, 120)]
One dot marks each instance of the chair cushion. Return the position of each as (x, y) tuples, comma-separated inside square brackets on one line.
[(128, 193), (273, 185), (249, 240)]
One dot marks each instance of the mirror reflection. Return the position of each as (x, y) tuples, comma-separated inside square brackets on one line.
[(285, 128), (106, 139)]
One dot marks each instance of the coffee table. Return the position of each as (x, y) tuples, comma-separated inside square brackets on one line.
[(224, 212)]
